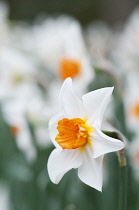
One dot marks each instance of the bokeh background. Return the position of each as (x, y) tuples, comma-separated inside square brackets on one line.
[(112, 12), (34, 35)]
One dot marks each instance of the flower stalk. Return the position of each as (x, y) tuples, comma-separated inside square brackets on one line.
[(122, 172)]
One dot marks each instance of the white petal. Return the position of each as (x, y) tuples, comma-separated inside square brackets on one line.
[(52, 127), (95, 104), (61, 161), (103, 144), (71, 104), (90, 172)]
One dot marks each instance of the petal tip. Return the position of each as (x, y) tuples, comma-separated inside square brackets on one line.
[(68, 79), (110, 89), (122, 145)]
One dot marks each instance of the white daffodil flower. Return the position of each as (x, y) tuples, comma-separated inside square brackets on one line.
[(77, 136), (14, 114), (100, 40), (131, 101), (61, 49), (126, 53), (17, 73)]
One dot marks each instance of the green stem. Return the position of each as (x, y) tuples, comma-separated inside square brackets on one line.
[(122, 172), (137, 205), (122, 188)]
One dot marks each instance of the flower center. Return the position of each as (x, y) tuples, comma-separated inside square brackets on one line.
[(69, 68), (136, 110), (73, 133), (14, 130), (17, 77)]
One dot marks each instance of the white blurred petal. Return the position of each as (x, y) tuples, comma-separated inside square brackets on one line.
[(95, 104), (61, 161), (4, 196)]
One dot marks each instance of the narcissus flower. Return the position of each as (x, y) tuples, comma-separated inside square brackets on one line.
[(131, 101), (77, 136), (63, 52)]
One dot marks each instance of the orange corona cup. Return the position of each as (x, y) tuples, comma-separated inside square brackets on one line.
[(136, 110), (69, 68), (73, 133), (14, 130)]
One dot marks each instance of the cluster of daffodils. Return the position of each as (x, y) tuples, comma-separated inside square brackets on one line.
[(36, 60)]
